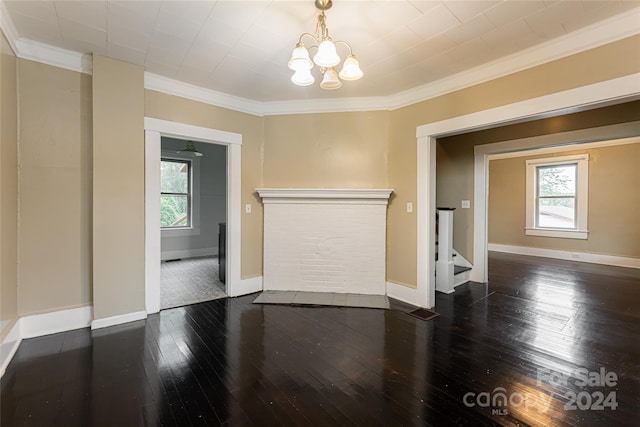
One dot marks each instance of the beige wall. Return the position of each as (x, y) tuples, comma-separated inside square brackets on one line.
[(336, 150), (455, 158), (172, 108), (600, 64), (8, 188), (118, 188), (614, 203), (368, 149), (55, 188)]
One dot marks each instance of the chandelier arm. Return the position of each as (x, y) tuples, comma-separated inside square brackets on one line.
[(344, 43), (310, 35)]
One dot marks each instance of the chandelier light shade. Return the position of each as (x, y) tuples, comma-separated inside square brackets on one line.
[(351, 69), (303, 77), (300, 58), (330, 80), (326, 57)]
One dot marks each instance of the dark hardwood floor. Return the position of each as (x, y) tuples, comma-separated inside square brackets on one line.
[(523, 337)]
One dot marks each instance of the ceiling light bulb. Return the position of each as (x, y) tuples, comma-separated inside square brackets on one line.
[(351, 69), (302, 77), (300, 58), (331, 80), (327, 56)]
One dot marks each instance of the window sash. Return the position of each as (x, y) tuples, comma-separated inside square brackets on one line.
[(188, 194), (573, 196), (581, 198)]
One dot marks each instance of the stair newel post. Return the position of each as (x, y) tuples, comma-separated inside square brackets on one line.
[(444, 264)]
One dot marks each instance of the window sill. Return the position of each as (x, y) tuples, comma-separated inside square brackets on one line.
[(551, 232), (180, 232)]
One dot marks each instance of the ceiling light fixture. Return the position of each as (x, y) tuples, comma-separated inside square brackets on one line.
[(326, 57), (190, 151)]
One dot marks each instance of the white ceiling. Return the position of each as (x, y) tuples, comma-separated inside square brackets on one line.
[(242, 47)]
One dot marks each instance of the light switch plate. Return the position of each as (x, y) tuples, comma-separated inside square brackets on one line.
[(409, 207), (247, 208), (466, 204)]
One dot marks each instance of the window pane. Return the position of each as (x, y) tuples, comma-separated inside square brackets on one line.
[(557, 180), (174, 211), (557, 212), (174, 177)]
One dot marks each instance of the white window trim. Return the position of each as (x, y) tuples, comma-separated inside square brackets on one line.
[(582, 195), (194, 228)]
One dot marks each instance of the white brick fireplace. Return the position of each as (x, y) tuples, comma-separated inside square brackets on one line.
[(325, 240)]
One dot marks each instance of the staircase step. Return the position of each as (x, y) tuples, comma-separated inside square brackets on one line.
[(457, 269)]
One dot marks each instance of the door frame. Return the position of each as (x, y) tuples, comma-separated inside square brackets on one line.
[(609, 92), (155, 129)]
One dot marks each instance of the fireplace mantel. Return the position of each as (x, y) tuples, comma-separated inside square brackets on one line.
[(325, 195), (325, 239)]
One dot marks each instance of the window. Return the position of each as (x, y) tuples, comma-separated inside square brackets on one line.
[(557, 191), (175, 193)]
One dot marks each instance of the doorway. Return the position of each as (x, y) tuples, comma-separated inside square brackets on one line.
[(591, 96), (193, 197), (155, 130)]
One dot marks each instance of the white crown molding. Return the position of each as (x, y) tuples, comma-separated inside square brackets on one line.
[(330, 105), (610, 30), (8, 29), (607, 31), (197, 93), (596, 35), (55, 56)]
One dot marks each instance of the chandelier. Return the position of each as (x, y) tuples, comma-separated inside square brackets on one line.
[(326, 58)]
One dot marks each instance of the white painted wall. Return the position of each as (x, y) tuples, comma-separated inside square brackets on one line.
[(203, 240)]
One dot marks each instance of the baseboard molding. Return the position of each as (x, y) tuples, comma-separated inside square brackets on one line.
[(403, 293), (247, 286), (38, 325), (119, 319), (188, 253), (566, 255), (9, 346)]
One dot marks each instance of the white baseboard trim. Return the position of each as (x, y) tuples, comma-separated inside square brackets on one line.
[(9, 346), (403, 293), (247, 286), (38, 325), (566, 255), (188, 253), (117, 320)]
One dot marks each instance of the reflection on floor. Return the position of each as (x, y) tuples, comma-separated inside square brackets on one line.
[(322, 298), (189, 281), (503, 353)]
